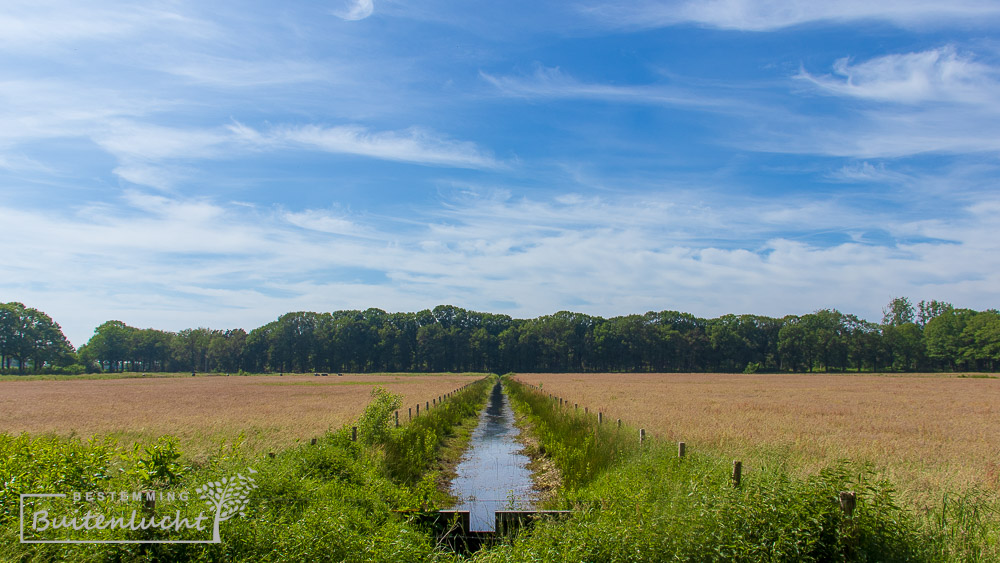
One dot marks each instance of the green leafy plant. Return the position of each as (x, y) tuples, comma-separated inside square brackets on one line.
[(157, 463)]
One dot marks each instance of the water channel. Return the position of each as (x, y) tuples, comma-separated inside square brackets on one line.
[(492, 475)]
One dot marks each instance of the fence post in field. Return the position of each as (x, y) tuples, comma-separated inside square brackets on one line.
[(312, 442), (680, 449), (848, 500), (619, 423), (418, 409), (586, 410), (600, 417), (397, 419), (354, 433), (737, 472), (642, 435), (427, 405), (576, 406), (409, 413)]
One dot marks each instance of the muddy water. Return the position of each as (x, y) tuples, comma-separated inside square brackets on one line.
[(492, 475)]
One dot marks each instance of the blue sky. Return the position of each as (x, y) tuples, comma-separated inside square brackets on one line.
[(185, 164)]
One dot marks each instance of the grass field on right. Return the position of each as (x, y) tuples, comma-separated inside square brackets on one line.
[(928, 433)]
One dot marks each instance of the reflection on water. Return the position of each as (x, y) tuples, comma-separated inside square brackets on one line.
[(492, 475)]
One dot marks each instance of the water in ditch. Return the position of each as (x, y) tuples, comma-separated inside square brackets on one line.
[(492, 475)]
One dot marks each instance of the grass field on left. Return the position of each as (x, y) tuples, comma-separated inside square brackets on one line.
[(206, 412), (306, 487)]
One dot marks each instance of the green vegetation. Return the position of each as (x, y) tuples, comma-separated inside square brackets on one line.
[(647, 504), (32, 340), (580, 448), (357, 500), (932, 336), (335, 500)]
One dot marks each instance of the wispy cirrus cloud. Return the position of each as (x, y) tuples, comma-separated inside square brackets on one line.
[(895, 105), (415, 144), (354, 10), (234, 73), (753, 15), (553, 83), (33, 26), (935, 75)]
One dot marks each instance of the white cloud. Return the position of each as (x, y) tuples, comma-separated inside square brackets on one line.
[(229, 72), (355, 10), (936, 75), (415, 145), (935, 101), (147, 142), (554, 83), (869, 173), (324, 222), (769, 15), (43, 24)]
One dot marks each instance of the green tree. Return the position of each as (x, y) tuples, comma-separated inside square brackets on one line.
[(981, 340), (946, 339), (898, 312), (32, 338), (191, 348), (111, 345), (927, 310)]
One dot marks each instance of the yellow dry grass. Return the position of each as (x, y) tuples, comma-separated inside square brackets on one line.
[(205, 412), (927, 432)]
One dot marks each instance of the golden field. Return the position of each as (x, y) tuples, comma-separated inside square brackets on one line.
[(207, 411), (927, 432)]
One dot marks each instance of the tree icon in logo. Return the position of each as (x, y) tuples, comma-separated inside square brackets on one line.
[(227, 497)]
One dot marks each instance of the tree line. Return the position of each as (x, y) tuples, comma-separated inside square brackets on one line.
[(927, 337)]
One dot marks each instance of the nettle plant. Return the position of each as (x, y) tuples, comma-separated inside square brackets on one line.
[(156, 463)]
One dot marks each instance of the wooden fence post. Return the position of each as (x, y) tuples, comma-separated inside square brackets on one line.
[(642, 435), (680, 449), (600, 417), (409, 413), (354, 433), (149, 504), (848, 500), (397, 419), (737, 472), (312, 442)]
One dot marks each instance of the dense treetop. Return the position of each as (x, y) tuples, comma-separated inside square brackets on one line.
[(930, 336)]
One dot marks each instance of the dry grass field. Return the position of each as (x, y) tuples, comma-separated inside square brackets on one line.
[(205, 412), (927, 432)]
